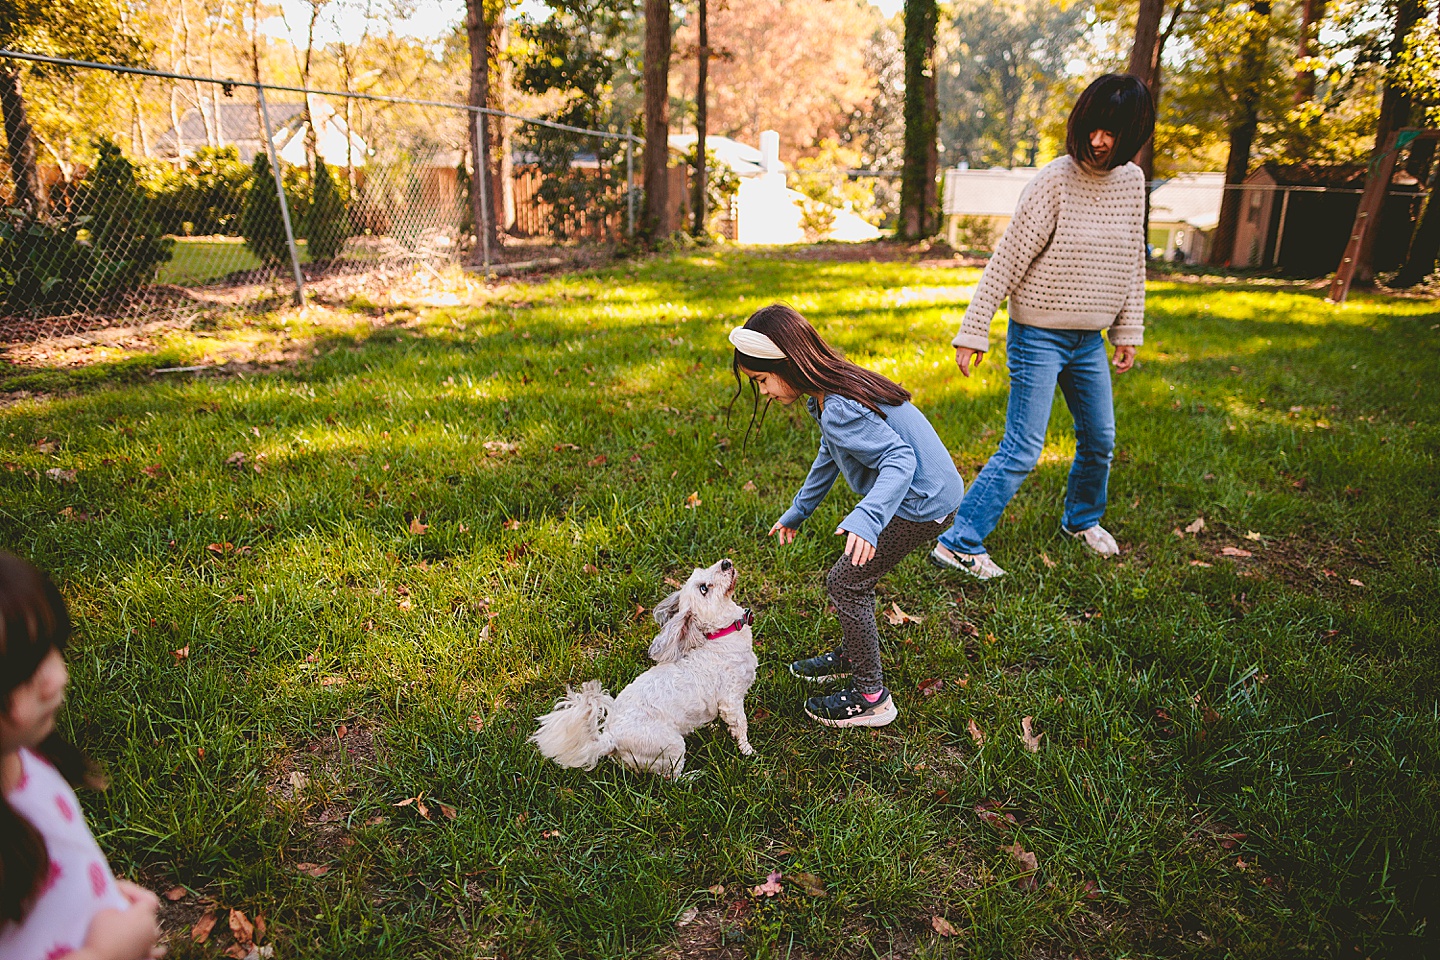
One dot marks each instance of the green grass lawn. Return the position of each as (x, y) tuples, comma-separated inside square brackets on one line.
[(1239, 757), (199, 260)]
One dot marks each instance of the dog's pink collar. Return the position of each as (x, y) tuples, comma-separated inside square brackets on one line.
[(747, 618)]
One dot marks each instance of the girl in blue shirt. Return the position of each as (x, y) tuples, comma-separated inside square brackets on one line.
[(889, 454)]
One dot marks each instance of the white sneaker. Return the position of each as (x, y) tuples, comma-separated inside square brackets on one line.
[(978, 565), (1097, 538)]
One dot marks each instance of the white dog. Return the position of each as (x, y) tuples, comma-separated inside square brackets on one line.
[(705, 664)]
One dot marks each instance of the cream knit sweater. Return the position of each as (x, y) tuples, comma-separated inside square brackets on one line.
[(1073, 257)]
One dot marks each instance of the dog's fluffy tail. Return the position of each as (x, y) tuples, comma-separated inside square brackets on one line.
[(572, 734)]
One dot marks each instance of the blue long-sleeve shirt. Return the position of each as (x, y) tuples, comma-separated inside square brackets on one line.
[(896, 463)]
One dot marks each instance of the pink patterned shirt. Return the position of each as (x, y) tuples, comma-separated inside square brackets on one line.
[(80, 884)]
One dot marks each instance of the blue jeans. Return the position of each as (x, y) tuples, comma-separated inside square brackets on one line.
[(1038, 360)]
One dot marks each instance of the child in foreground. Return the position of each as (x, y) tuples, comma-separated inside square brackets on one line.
[(58, 898), (890, 456)]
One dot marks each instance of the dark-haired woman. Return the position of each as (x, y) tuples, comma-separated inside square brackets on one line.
[(889, 454), (1072, 263), (57, 895)]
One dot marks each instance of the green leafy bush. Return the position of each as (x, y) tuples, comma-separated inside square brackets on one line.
[(328, 220), (261, 223), (105, 244), (203, 196)]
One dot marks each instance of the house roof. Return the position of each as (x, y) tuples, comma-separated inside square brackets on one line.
[(742, 159), (238, 124), (1189, 198), (987, 193), (1334, 175)]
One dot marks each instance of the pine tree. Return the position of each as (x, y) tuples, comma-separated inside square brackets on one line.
[(328, 219), (261, 223)]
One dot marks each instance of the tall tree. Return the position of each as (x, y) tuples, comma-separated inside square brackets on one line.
[(1419, 71), (1146, 56), (80, 29), (655, 218), (1312, 14), (1252, 39), (702, 70), (917, 173), (483, 25), (1395, 106)]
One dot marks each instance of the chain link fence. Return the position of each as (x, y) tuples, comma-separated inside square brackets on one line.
[(192, 196)]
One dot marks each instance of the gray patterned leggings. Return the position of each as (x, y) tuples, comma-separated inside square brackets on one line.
[(852, 590)]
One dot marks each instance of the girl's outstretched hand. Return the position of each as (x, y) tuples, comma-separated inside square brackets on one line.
[(786, 534), (967, 359), (857, 548), (1124, 358)]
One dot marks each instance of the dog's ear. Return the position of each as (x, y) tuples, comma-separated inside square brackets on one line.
[(666, 608), (677, 637)]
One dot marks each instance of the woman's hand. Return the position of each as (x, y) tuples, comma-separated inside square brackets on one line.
[(125, 934), (966, 359), (857, 548), (1124, 358), (784, 533)]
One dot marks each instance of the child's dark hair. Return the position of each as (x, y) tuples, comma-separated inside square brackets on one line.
[(33, 622), (810, 365), (1119, 103)]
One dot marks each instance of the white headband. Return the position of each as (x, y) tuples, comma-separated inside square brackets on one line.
[(752, 343)]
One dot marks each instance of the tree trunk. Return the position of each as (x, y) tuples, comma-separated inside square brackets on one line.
[(477, 32), (1245, 118), (920, 121), (702, 67), (20, 143), (1145, 54), (502, 180), (931, 180), (1425, 245), (655, 217), (1310, 17), (1394, 113)]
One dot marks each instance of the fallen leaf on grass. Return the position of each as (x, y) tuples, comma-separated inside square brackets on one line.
[(671, 581), (640, 609), (152, 471), (759, 715), (235, 459), (447, 811), (511, 524), (405, 604), (565, 446), (989, 812), (590, 568), (1195, 526), (476, 723), (1356, 583), (61, 476), (201, 931), (1200, 563), (688, 917), (976, 733), (943, 927), (220, 548), (597, 461), (46, 445), (1091, 889), (419, 802), (928, 688), (316, 870), (897, 617), (1045, 559), (175, 893), (693, 501), (1028, 862), (1252, 535), (809, 883), (298, 781), (417, 528), (332, 681), (182, 653), (498, 448), (770, 887), (1031, 739), (749, 486), (241, 927), (1235, 552)]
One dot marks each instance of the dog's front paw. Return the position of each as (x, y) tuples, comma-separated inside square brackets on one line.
[(747, 750)]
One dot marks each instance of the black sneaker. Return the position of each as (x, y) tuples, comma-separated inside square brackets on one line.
[(827, 666), (849, 708)]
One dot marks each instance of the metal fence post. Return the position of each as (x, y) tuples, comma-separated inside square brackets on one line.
[(483, 184), (630, 181), (274, 156)]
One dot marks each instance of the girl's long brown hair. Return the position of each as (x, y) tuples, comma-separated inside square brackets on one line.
[(33, 621), (810, 365)]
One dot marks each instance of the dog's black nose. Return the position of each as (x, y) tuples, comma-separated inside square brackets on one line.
[(726, 564)]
